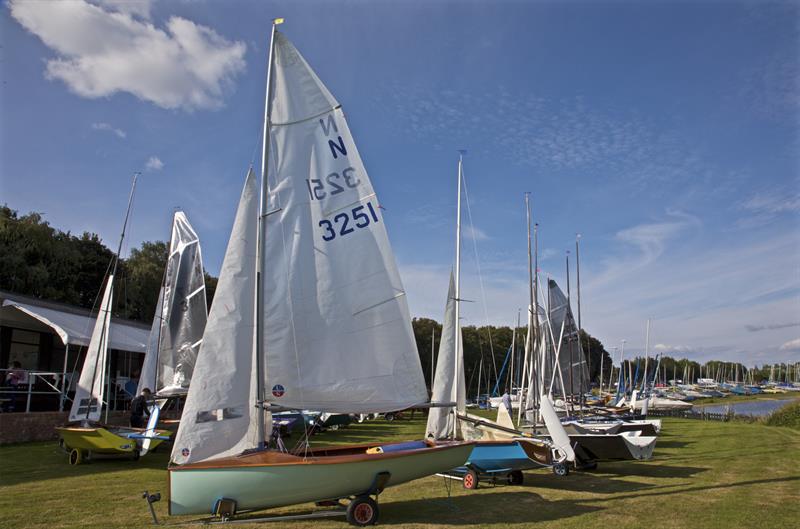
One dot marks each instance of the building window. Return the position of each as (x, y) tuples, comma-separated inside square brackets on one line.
[(24, 348)]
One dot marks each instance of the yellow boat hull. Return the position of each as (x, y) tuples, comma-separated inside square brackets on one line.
[(103, 440)]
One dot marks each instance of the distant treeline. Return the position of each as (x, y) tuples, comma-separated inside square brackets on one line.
[(41, 261)]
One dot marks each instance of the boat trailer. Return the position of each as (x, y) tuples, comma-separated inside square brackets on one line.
[(361, 511)]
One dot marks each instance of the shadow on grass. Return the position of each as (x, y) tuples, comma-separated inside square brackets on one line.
[(718, 487), (479, 509), (672, 444), (650, 470), (43, 461)]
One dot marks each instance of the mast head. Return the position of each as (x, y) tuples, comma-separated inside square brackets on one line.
[(277, 21)]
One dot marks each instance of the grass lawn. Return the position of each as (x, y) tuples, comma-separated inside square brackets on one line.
[(704, 474)]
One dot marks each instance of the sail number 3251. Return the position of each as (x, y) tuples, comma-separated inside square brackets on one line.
[(344, 223), (331, 186)]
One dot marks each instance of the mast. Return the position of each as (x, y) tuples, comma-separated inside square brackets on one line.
[(457, 328), (103, 338), (433, 338), (532, 314), (646, 354), (510, 387), (262, 228), (519, 361), (537, 336), (570, 340), (585, 357)]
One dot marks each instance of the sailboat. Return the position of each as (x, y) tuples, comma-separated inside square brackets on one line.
[(594, 440), (309, 313), (85, 436), (500, 451), (178, 324)]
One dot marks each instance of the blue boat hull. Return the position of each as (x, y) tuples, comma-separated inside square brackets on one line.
[(506, 456)]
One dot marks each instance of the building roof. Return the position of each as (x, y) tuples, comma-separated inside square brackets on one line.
[(73, 324)]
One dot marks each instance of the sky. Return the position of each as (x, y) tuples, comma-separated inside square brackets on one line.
[(666, 133)]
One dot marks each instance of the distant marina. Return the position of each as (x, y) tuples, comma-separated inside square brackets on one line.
[(757, 408)]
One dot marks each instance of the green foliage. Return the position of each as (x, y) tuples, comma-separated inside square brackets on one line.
[(788, 416), (144, 271), (485, 350), (41, 261)]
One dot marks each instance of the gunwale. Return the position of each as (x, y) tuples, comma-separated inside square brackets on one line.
[(317, 456)]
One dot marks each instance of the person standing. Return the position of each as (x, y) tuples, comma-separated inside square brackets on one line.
[(139, 409)]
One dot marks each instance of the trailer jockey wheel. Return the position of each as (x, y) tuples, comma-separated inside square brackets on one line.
[(75, 456), (516, 478), (560, 470), (362, 511), (470, 480)]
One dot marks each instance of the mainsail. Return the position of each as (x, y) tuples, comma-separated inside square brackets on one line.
[(88, 399), (184, 311), (440, 420), (564, 343), (337, 331), (220, 416), (147, 377)]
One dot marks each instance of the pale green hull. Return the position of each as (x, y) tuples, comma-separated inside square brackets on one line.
[(195, 491)]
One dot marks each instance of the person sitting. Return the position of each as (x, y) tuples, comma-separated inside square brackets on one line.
[(14, 379), (139, 408)]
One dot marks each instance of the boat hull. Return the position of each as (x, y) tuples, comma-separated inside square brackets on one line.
[(100, 440), (266, 479), (507, 456)]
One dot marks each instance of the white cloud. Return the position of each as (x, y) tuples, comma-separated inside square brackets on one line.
[(772, 203), (791, 345), (105, 126), (771, 326), (140, 8), (154, 163), (101, 53)]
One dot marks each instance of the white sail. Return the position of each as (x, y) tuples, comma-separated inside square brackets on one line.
[(220, 418), (440, 420), (184, 310), (88, 399), (337, 332), (147, 377)]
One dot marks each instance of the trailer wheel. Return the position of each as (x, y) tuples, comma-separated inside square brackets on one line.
[(389, 417), (560, 470), (135, 455), (362, 511), (516, 478), (470, 481), (75, 456)]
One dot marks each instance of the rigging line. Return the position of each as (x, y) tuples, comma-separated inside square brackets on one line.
[(480, 277)]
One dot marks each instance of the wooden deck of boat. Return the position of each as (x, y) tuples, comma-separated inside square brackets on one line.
[(332, 455)]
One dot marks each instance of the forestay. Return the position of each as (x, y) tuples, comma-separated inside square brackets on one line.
[(184, 311), (337, 332), (147, 377), (440, 420), (220, 417), (88, 399)]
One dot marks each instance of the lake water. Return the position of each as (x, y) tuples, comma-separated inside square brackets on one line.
[(757, 408)]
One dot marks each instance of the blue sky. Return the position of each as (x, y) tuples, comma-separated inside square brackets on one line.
[(666, 133)]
